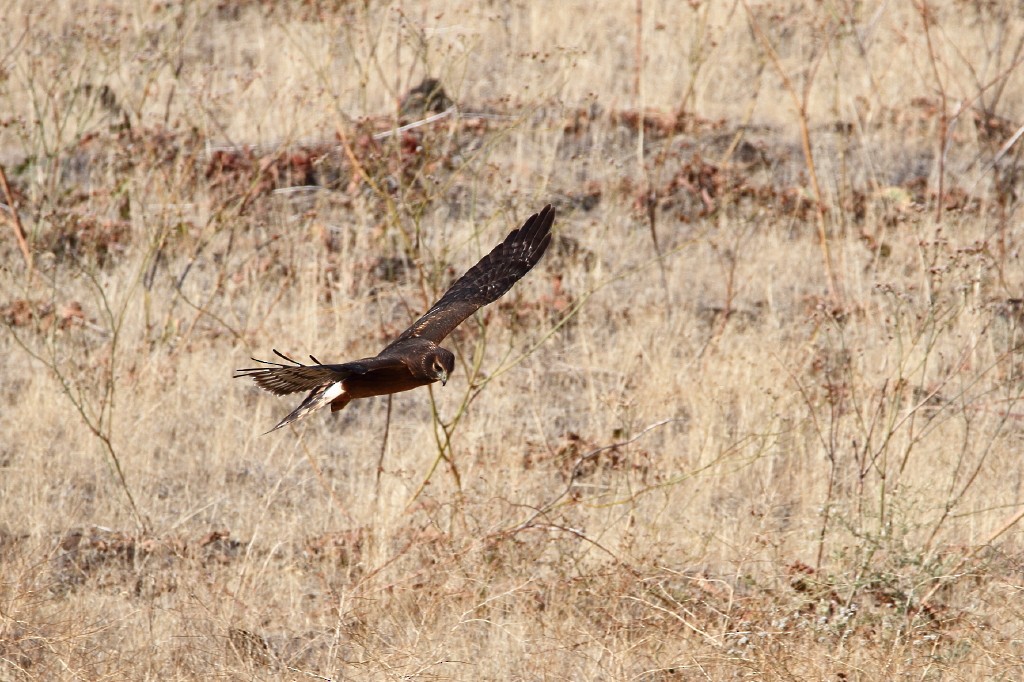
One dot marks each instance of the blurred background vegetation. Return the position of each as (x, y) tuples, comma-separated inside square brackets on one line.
[(757, 413)]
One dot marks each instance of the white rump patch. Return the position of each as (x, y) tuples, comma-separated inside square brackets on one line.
[(333, 391)]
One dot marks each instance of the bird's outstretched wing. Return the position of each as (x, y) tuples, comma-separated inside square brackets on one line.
[(486, 281), (281, 379)]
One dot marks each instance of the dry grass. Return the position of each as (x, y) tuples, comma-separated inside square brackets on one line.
[(782, 441)]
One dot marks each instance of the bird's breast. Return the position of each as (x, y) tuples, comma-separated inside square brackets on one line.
[(383, 382)]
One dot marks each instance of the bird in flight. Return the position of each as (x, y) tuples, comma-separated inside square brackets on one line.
[(413, 359)]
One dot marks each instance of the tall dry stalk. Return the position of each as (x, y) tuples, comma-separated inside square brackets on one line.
[(800, 106), (15, 220)]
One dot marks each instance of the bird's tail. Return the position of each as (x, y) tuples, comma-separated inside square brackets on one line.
[(317, 398)]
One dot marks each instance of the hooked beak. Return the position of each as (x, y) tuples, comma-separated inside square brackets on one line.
[(444, 377)]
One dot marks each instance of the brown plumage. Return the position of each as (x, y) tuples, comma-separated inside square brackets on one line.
[(413, 359)]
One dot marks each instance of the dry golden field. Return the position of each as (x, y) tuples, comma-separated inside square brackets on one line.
[(757, 414)]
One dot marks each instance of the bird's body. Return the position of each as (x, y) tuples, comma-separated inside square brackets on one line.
[(381, 382), (414, 359), (390, 377)]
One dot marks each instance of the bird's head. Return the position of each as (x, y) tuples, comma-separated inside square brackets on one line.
[(441, 363)]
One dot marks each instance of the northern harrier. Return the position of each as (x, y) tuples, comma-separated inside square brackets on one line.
[(413, 359)]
